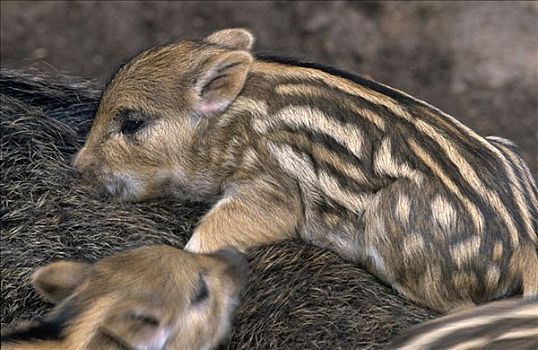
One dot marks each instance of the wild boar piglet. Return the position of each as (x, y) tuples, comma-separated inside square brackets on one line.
[(282, 147), (152, 298), (506, 324)]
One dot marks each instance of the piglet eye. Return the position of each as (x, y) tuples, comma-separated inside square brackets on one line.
[(202, 291), (131, 126)]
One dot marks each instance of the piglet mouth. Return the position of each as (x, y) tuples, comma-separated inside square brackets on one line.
[(95, 189), (110, 186), (120, 187)]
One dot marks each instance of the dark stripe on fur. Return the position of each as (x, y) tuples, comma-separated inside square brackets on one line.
[(291, 61)]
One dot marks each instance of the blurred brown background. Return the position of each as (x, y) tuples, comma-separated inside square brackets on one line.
[(475, 60)]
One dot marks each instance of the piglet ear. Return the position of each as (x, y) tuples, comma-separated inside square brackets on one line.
[(221, 80), (57, 281), (234, 38), (136, 328)]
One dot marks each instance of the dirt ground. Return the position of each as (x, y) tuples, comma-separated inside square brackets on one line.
[(476, 60)]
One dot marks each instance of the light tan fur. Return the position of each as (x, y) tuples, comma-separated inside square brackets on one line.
[(149, 298)]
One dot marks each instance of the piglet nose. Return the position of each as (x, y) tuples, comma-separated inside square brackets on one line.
[(73, 161), (233, 256), (237, 261), (78, 159), (82, 166)]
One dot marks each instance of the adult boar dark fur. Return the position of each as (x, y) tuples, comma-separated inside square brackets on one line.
[(298, 296)]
